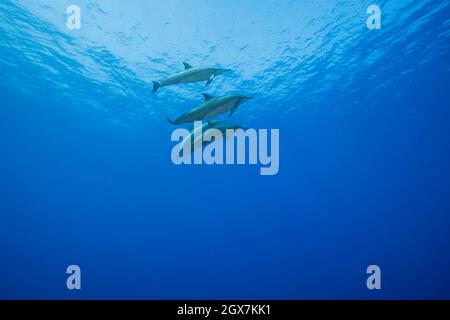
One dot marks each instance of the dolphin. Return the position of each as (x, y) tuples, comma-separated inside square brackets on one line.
[(195, 135), (212, 107), (190, 75)]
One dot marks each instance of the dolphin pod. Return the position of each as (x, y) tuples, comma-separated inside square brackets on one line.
[(212, 107), (190, 75)]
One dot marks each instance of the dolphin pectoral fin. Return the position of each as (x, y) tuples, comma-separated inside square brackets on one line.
[(209, 80), (187, 66), (234, 109), (231, 112)]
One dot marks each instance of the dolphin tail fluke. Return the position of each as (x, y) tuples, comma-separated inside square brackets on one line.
[(156, 86), (171, 121)]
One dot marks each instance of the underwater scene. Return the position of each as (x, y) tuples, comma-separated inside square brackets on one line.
[(220, 149)]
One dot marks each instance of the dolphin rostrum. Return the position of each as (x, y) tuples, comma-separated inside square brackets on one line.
[(190, 75), (212, 107)]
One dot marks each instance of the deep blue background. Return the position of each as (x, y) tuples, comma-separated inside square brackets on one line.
[(86, 176)]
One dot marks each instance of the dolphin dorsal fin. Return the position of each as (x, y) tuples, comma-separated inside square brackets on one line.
[(187, 66), (207, 96)]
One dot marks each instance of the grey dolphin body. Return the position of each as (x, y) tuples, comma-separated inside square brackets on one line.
[(212, 107), (195, 135), (190, 75), (223, 127)]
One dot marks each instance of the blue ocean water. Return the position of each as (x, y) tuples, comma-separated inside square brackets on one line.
[(86, 176)]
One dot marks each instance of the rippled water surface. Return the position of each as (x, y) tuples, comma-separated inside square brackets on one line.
[(86, 176)]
